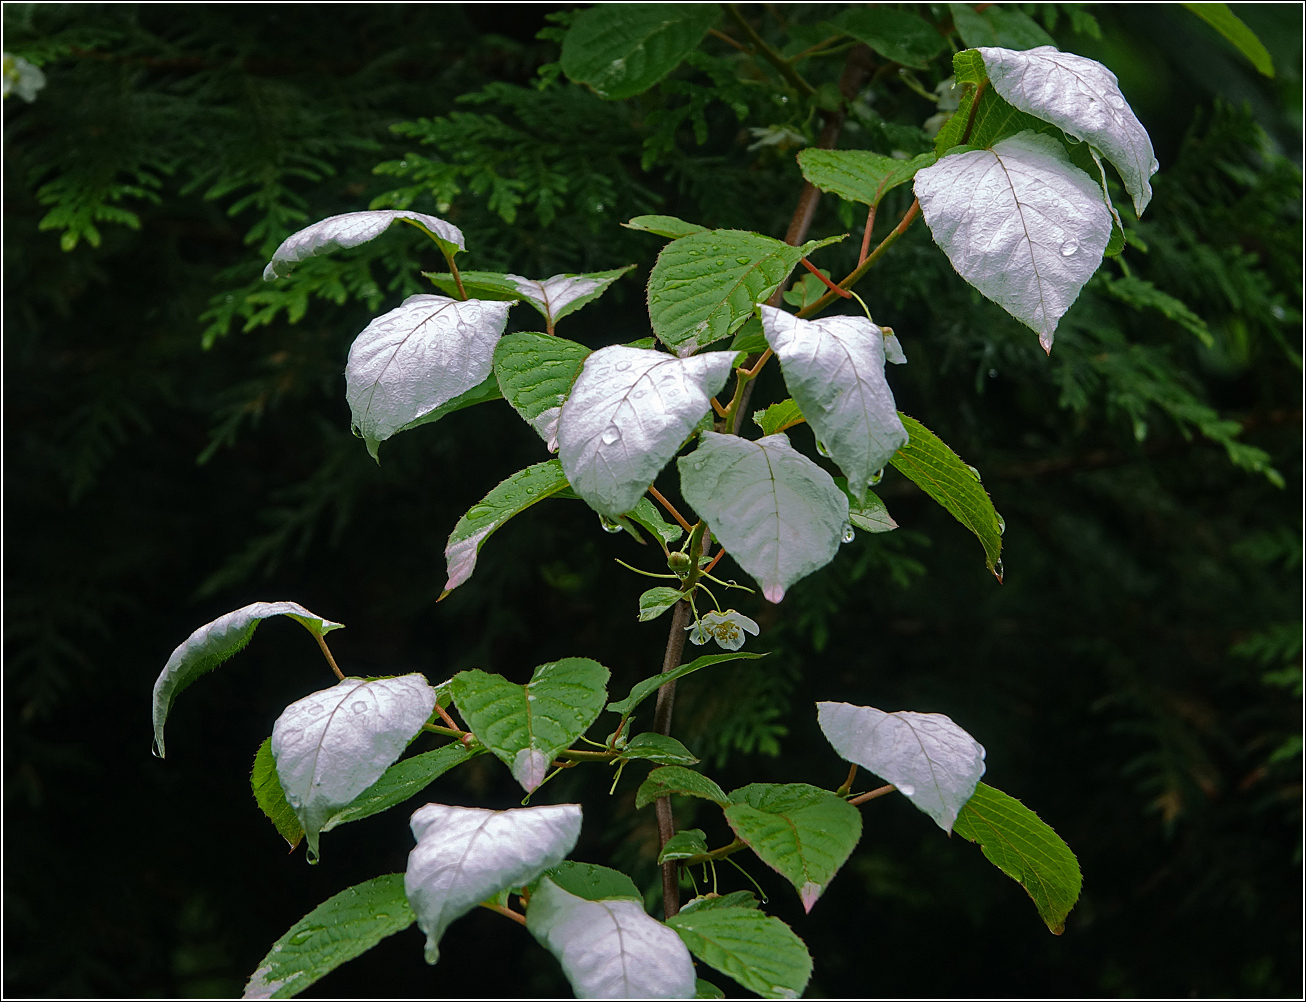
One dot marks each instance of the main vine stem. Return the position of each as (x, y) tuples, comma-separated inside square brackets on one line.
[(857, 69)]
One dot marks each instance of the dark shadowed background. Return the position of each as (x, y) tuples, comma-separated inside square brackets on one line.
[(1136, 679)]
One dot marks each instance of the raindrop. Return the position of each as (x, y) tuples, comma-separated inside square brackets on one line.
[(974, 472), (623, 366), (997, 571), (613, 434), (1069, 247), (314, 710), (698, 465), (1073, 139), (359, 707), (1156, 166), (742, 260), (608, 524), (848, 535), (530, 490), (1115, 100), (820, 447), (1002, 525), (303, 936), (906, 789), (877, 476), (381, 915), (154, 747), (993, 374)]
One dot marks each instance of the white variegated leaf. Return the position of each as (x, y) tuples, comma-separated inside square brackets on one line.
[(932, 761), (465, 855), (1019, 222), (331, 746), (213, 643), (610, 948), (1082, 98), (351, 229), (835, 370), (562, 294), (629, 412), (778, 514), (417, 357)]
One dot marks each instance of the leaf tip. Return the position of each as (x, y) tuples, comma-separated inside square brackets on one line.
[(808, 893)]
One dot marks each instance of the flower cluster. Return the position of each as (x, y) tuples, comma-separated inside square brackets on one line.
[(726, 628)]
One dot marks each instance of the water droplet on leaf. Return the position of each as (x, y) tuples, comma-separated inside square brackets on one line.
[(608, 524), (1069, 247), (1002, 525), (820, 447), (611, 435), (359, 707), (848, 535), (877, 476), (906, 789), (974, 472)]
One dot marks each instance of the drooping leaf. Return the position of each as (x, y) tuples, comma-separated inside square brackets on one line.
[(933, 762), (353, 228), (834, 367), (1228, 24), (659, 749), (562, 294), (869, 516), (535, 374), (465, 855), (654, 602), (609, 948), (757, 950), (997, 24), (271, 799), (483, 392), (651, 519), (1019, 222), (619, 50), (705, 285), (593, 882), (645, 688), (521, 490), (939, 472), (338, 930), (778, 417), (685, 844), (629, 412), (664, 226), (402, 780), (213, 644), (332, 745), (895, 34), (415, 358), (778, 513), (859, 175), (525, 726), (803, 833), (671, 779), (1026, 849), (735, 899), (1082, 98)]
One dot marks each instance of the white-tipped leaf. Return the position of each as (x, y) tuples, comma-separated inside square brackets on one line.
[(351, 229), (835, 370), (629, 412), (932, 761), (562, 294), (410, 361), (610, 948), (213, 644), (333, 745), (465, 855), (1019, 222), (779, 515), (1082, 98)]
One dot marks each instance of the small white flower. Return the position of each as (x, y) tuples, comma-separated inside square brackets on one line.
[(21, 77), (726, 628)]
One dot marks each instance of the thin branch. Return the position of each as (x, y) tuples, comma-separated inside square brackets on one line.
[(848, 783), (974, 107), (671, 509), (449, 721), (517, 917), (830, 285), (813, 49), (786, 70), (730, 41), (907, 219), (864, 797), (662, 724), (866, 237), (715, 560), (321, 642)]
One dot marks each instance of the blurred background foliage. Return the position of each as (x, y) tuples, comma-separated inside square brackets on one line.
[(177, 445)]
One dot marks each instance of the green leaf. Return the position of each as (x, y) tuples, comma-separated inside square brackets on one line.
[(512, 497), (620, 50), (802, 832), (871, 515), (1015, 840), (940, 473), (858, 175), (664, 226), (492, 285), (270, 798), (705, 285), (403, 780), (896, 34), (757, 950), (592, 882), (1228, 24), (749, 338), (778, 417), (526, 726), (735, 899), (482, 392), (646, 688), (535, 372), (656, 601), (651, 519), (707, 990), (1143, 295), (997, 26), (671, 779), (684, 844), (658, 748), (215, 642), (336, 931), (995, 120), (559, 295)]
